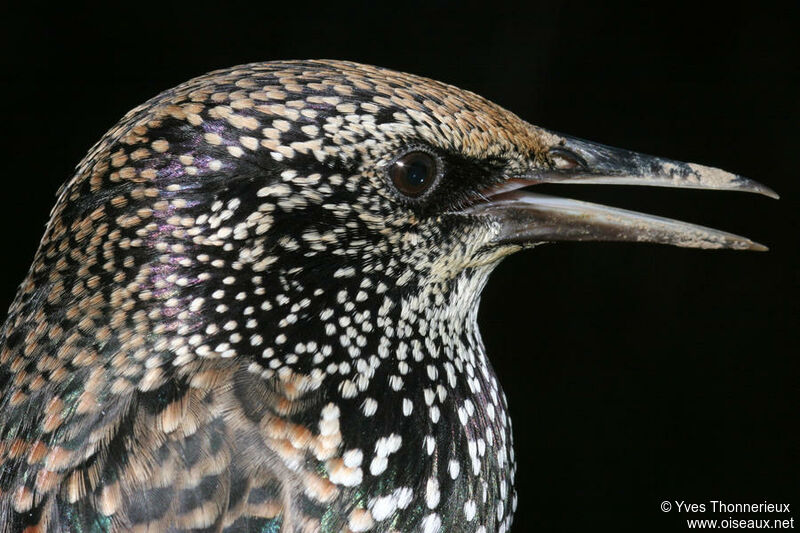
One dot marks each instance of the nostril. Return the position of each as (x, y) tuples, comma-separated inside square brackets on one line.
[(564, 159)]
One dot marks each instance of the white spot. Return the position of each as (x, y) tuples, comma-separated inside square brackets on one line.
[(330, 411), (349, 477), (431, 523), (360, 521), (352, 458), (404, 495), (388, 445), (432, 494), (383, 507), (345, 272), (369, 407), (430, 444), (429, 396), (378, 465), (469, 510), (454, 467), (348, 389), (408, 407), (395, 382)]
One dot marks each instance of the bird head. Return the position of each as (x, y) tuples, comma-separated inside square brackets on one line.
[(259, 189)]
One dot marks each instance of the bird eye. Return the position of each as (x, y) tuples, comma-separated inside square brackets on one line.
[(413, 173)]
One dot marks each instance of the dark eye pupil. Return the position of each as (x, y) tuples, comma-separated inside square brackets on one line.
[(413, 173), (416, 174)]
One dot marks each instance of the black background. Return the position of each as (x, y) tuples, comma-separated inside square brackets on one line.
[(635, 373)]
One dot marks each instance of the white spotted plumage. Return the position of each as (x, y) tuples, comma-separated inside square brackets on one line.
[(262, 277)]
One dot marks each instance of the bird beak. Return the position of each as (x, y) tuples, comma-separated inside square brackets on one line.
[(527, 218)]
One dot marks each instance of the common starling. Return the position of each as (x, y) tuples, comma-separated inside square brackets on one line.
[(254, 306)]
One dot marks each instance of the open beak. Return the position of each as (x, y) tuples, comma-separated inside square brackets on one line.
[(528, 218)]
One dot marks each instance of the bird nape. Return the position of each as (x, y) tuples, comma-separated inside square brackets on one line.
[(254, 306)]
